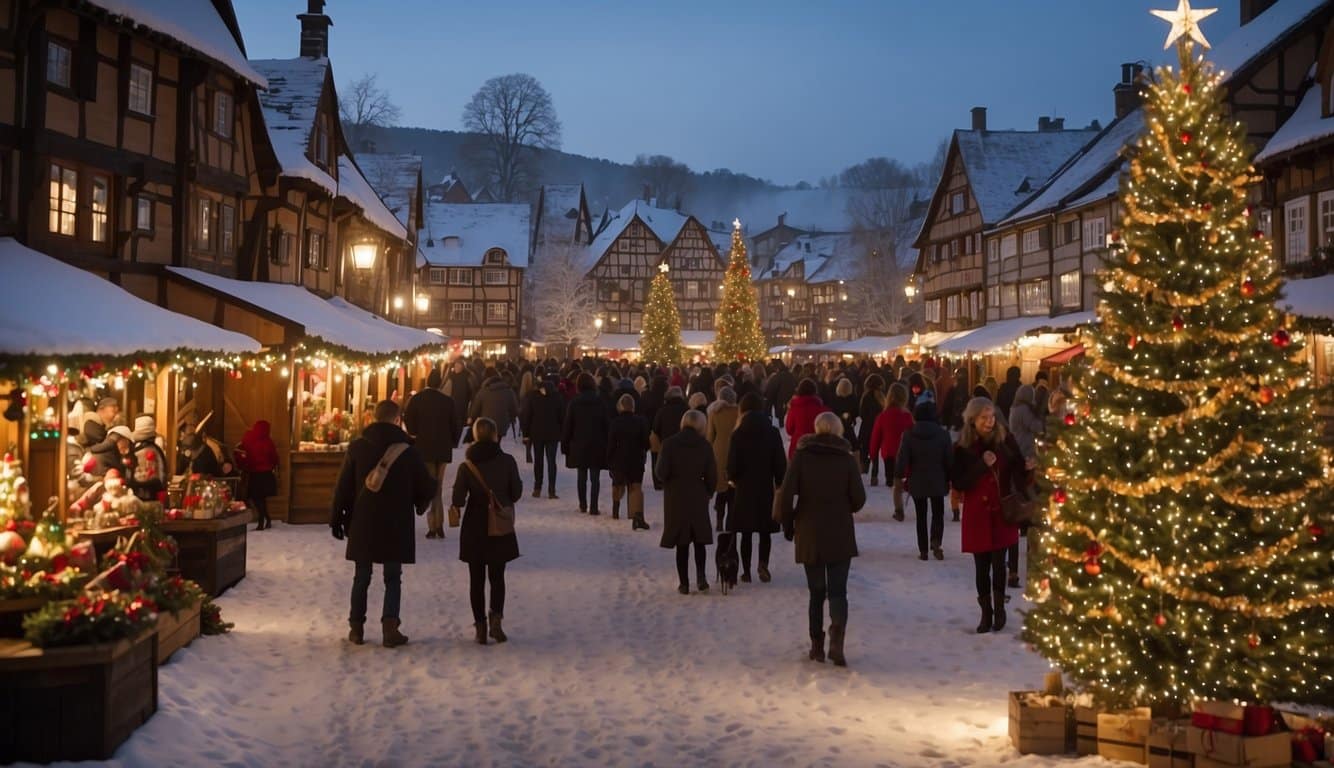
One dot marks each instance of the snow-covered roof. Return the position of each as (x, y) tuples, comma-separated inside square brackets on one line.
[(560, 210), (827, 257), (1099, 159), (867, 345), (394, 178), (629, 342), (415, 338), (194, 23), (1312, 297), (101, 319), (460, 234), (1004, 168), (290, 105), (723, 242), (1259, 36), (1306, 126), (352, 186), (318, 318), (1109, 187), (994, 336), (664, 224)]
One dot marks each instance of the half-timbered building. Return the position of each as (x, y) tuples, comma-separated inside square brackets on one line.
[(126, 135), (450, 189), (475, 257), (397, 179)]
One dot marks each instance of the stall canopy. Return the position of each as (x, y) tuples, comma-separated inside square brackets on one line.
[(933, 339), (51, 309), (1063, 357), (993, 336), (866, 345), (415, 337), (340, 331)]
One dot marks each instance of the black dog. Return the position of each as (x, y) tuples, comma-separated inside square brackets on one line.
[(727, 561)]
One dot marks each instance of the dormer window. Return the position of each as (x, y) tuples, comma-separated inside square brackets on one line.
[(495, 257)]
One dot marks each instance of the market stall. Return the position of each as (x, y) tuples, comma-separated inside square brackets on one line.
[(337, 358)]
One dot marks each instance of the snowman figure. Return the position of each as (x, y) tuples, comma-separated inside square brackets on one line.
[(117, 502)]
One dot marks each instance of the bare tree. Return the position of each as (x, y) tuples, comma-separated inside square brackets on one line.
[(877, 303), (563, 301), (881, 209), (669, 180), (363, 106), (928, 173), (512, 115)]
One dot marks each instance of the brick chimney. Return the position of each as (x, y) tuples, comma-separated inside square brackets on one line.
[(1252, 8), (1044, 124), (979, 118), (782, 218), (314, 31), (1126, 93)]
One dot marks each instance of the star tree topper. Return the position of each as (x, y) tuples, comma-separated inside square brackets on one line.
[(1185, 23)]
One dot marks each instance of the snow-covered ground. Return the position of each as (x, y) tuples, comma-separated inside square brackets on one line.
[(606, 663)]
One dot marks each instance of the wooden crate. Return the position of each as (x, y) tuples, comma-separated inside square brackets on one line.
[(13, 611), (76, 703), (1215, 748), (1037, 730), (1124, 735), (1168, 746), (314, 475), (212, 553), (104, 539), (1086, 730), (175, 631)]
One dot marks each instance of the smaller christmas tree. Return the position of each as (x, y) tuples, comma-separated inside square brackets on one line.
[(739, 334), (661, 339)]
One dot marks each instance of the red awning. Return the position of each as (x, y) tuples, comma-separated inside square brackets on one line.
[(1062, 357)]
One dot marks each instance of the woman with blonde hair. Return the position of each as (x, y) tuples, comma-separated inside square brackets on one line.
[(821, 491), (988, 465)]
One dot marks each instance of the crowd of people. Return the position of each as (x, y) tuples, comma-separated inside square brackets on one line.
[(709, 438)]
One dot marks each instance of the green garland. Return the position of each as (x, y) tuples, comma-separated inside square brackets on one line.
[(16, 583), (210, 619), (90, 618)]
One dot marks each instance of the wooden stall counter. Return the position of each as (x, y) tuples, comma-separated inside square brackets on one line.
[(314, 474), (212, 553), (104, 539)]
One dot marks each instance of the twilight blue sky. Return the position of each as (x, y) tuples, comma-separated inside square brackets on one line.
[(783, 89)]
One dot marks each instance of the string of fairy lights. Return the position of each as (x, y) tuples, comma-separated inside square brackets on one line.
[(1185, 554)]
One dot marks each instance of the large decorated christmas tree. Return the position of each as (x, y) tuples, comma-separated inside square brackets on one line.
[(1187, 554), (739, 335), (661, 340)]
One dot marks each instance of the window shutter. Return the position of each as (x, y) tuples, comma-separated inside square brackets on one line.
[(85, 81)]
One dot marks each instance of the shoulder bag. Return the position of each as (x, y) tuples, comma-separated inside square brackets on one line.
[(499, 517), (375, 478), (1016, 506)]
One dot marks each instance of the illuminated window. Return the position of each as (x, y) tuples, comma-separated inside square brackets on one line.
[(64, 199)]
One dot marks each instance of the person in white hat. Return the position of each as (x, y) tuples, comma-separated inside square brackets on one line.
[(150, 466)]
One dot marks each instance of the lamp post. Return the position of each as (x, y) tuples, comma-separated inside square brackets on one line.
[(363, 261), (597, 326)]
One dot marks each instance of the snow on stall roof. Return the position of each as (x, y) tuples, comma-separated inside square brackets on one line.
[(460, 234), (993, 336), (316, 316), (1312, 297), (290, 105), (1250, 42), (1305, 126), (867, 345), (414, 337), (105, 320), (998, 164), (629, 342), (194, 23), (698, 339), (353, 186), (394, 179), (1101, 156), (664, 224)]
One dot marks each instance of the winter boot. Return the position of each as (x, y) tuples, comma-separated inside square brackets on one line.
[(593, 511), (497, 633), (874, 481), (357, 634), (956, 515), (701, 584), (480, 627), (836, 645), (551, 493), (615, 509), (817, 647), (392, 637), (1013, 581), (998, 611), (985, 625), (537, 492), (898, 514), (640, 525), (765, 576), (937, 550)]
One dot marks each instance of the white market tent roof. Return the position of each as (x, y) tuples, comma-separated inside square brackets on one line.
[(698, 339), (104, 320), (627, 342), (415, 337), (317, 317), (194, 23), (1313, 297), (870, 345), (993, 336)]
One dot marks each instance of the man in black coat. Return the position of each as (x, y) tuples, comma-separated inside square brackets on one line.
[(688, 473), (460, 388), (432, 422), (756, 463), (584, 442), (666, 423), (378, 524), (540, 419), (779, 389)]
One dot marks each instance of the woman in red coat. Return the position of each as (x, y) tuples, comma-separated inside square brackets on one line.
[(258, 456), (802, 409), (988, 465), (890, 427)]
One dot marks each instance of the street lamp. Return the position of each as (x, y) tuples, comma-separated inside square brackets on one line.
[(398, 303), (423, 304), (597, 326), (363, 255), (791, 292), (910, 290)]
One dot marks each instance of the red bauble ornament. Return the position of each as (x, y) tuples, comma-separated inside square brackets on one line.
[(1069, 419), (1132, 341), (1315, 530), (1248, 288), (1160, 620), (1186, 87), (1281, 338), (1178, 323), (1258, 235), (1059, 496), (87, 372), (1185, 137), (1266, 395), (1092, 568), (1253, 640), (1207, 206)]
